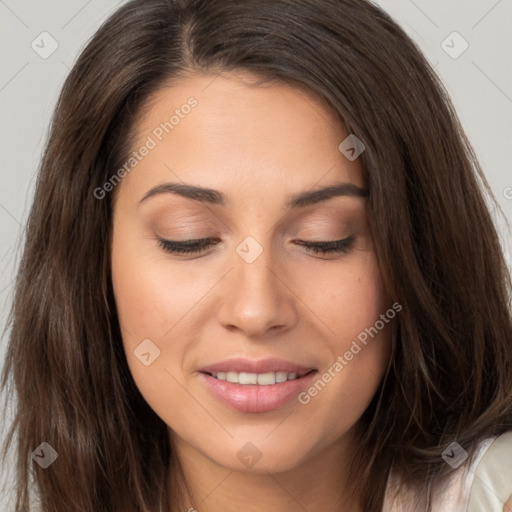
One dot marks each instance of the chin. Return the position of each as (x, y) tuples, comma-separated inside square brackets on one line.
[(259, 456)]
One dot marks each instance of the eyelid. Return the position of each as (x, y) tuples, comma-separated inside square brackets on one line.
[(196, 246), (186, 246)]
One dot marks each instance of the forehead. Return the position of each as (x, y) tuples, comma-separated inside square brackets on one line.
[(266, 136)]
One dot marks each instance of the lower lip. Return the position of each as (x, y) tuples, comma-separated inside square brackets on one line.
[(255, 397)]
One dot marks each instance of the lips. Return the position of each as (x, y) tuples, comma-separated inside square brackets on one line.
[(246, 385)]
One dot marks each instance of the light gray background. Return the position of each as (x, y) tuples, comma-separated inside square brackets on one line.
[(479, 82)]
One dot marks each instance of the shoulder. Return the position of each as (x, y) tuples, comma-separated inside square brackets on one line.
[(492, 480), (485, 484)]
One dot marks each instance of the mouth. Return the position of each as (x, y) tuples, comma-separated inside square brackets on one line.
[(256, 386), (260, 379)]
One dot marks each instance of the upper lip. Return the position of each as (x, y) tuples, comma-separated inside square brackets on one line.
[(259, 366)]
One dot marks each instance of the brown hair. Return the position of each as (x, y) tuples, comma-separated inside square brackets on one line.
[(450, 374)]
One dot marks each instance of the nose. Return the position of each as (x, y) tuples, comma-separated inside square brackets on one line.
[(257, 297)]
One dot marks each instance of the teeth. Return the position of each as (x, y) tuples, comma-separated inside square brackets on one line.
[(247, 378), (281, 377), (263, 379), (232, 377)]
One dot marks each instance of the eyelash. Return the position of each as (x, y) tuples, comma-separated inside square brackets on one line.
[(197, 246)]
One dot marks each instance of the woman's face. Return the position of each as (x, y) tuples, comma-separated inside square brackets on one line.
[(213, 338)]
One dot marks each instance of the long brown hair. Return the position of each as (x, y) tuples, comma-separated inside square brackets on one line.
[(450, 374)]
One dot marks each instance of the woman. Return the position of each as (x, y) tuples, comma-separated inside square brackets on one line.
[(259, 273)]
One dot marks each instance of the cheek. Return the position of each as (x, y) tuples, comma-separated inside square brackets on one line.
[(350, 299), (365, 340), (157, 302), (359, 342), (144, 300), (150, 297), (148, 308)]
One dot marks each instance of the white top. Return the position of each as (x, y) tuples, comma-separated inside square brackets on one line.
[(484, 486)]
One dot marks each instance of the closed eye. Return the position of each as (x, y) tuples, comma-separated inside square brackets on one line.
[(336, 246), (186, 247), (199, 245)]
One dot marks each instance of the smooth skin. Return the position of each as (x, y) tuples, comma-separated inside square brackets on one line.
[(258, 145)]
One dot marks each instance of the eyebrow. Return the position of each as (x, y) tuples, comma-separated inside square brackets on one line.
[(300, 200)]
